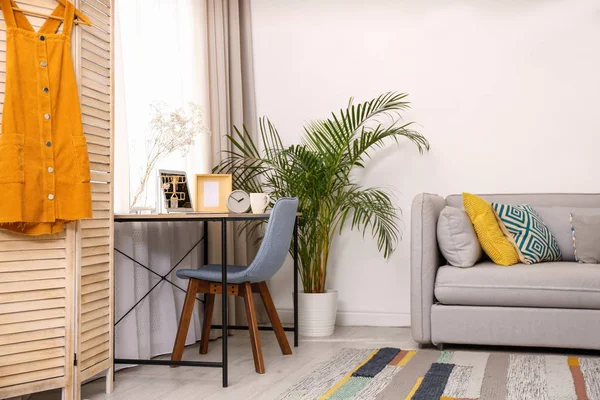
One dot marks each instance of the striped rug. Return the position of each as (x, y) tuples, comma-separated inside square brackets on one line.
[(391, 373)]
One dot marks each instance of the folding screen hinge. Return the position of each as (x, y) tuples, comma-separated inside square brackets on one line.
[(75, 359)]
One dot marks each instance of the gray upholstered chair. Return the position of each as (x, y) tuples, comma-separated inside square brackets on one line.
[(243, 281)]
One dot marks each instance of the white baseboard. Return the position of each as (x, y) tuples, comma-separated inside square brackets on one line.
[(356, 318)]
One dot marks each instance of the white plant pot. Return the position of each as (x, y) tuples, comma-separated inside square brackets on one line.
[(316, 313)]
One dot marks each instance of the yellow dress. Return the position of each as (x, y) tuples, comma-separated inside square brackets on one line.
[(44, 164)]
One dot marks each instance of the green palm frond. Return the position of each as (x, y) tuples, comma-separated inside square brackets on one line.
[(373, 210), (318, 172)]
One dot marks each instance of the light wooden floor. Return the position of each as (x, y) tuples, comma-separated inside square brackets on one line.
[(160, 382)]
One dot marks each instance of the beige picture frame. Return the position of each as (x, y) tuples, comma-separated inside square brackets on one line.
[(212, 191)]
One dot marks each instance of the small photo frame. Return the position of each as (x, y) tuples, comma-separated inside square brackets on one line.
[(212, 191), (174, 193)]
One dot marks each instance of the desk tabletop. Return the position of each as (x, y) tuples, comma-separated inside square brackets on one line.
[(190, 216)]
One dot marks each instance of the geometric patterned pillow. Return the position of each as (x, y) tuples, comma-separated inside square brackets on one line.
[(525, 229)]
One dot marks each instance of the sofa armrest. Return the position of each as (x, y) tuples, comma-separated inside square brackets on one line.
[(425, 258)]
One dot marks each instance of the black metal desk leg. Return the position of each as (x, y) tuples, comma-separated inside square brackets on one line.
[(296, 283), (204, 253), (224, 296), (205, 233)]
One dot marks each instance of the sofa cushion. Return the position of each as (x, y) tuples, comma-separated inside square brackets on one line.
[(586, 238), (524, 228), (457, 239), (548, 285), (489, 234), (557, 219)]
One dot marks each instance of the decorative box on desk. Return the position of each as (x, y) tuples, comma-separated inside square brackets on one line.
[(212, 191)]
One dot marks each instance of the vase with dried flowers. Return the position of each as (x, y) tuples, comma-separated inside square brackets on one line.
[(169, 130)]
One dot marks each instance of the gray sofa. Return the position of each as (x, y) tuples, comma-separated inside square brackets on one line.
[(546, 305)]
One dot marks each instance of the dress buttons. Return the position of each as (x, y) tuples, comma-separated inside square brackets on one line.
[(45, 91), (48, 143), (42, 38), (43, 63), (50, 196), (50, 169), (46, 116)]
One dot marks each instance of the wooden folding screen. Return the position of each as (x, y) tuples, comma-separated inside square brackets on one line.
[(95, 237), (56, 292), (36, 313)]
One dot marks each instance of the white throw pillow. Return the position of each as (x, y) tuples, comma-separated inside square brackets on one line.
[(457, 238)]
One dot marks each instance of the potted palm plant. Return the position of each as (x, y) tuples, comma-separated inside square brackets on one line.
[(319, 172)]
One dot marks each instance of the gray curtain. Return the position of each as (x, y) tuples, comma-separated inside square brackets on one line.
[(231, 69), (232, 102)]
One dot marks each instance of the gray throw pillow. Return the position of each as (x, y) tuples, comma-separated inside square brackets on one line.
[(457, 238), (586, 238), (557, 219)]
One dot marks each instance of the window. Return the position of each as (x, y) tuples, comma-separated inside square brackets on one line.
[(160, 58)]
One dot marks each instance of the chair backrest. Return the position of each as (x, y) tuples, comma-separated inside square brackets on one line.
[(276, 242)]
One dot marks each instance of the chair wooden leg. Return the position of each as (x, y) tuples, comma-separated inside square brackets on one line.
[(208, 312), (274, 317), (184, 322), (259, 364)]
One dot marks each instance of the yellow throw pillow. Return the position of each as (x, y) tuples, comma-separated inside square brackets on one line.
[(490, 236)]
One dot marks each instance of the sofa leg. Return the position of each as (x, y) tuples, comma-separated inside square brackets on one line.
[(440, 346)]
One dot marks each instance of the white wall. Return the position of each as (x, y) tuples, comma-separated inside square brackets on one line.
[(507, 92)]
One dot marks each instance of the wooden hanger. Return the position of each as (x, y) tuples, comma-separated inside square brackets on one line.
[(80, 18)]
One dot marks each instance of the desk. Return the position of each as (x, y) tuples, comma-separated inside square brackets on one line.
[(205, 218)]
